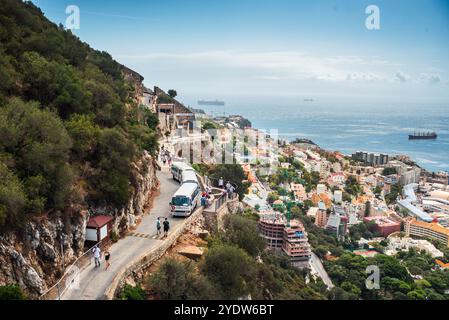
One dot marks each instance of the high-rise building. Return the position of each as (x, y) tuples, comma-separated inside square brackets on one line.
[(296, 244), (338, 196), (321, 215), (290, 238), (337, 222), (372, 159)]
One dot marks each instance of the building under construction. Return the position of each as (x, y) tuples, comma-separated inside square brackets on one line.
[(290, 237)]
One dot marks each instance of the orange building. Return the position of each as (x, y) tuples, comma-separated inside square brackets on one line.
[(321, 218), (433, 230)]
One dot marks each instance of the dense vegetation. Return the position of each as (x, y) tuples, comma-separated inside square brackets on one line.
[(235, 265), (68, 123), (396, 281), (409, 275), (229, 172)]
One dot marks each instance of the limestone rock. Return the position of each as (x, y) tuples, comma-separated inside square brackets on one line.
[(191, 252)]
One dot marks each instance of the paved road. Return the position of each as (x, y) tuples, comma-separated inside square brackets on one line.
[(318, 269), (94, 281)]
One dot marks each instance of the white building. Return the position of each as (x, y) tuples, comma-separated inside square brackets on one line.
[(338, 196), (396, 244), (320, 188)]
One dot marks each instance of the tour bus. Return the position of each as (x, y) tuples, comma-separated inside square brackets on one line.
[(189, 176), (178, 168), (185, 200)]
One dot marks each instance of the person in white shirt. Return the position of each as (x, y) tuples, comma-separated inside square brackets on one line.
[(220, 183), (97, 256)]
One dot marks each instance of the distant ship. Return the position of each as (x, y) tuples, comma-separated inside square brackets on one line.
[(308, 100), (211, 103), (422, 136)]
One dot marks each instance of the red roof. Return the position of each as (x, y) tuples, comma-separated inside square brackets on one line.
[(99, 221)]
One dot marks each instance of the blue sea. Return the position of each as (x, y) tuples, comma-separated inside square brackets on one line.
[(333, 125)]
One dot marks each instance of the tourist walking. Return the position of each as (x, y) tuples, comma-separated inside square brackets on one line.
[(97, 255), (166, 227), (107, 256), (169, 159), (158, 226), (221, 183)]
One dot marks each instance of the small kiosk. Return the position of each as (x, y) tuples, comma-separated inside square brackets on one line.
[(98, 229)]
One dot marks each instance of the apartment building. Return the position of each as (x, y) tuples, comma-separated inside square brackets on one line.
[(432, 230)]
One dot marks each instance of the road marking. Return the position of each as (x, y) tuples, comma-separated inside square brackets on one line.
[(140, 235)]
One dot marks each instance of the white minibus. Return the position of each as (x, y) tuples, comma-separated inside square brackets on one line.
[(178, 168), (185, 200)]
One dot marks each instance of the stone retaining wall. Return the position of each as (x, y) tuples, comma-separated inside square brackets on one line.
[(140, 263)]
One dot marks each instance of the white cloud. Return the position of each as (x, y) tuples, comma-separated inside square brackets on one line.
[(277, 65), (430, 78), (402, 77)]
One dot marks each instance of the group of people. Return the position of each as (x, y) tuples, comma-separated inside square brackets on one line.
[(96, 252), (165, 156), (206, 198), (230, 189), (166, 226)]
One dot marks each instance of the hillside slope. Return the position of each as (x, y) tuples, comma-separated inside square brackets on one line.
[(74, 142)]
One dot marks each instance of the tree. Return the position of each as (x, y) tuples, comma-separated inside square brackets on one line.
[(84, 135), (55, 85), (172, 93), (177, 281), (233, 173), (272, 197), (132, 293), (113, 158), (209, 126), (231, 269), (12, 197), (37, 145), (367, 208), (389, 171), (244, 233)]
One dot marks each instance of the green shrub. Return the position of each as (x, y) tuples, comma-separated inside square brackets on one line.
[(132, 293), (11, 292)]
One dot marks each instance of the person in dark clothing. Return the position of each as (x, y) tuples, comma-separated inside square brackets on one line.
[(166, 227), (107, 256)]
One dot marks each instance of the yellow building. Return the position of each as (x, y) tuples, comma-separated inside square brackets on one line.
[(431, 230)]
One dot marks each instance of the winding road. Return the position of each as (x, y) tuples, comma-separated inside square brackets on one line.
[(94, 281)]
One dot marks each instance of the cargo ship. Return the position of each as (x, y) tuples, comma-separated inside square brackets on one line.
[(422, 136), (210, 103)]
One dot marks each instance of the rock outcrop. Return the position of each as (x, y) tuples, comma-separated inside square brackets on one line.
[(35, 258)]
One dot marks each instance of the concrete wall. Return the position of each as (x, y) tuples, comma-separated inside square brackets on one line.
[(140, 263)]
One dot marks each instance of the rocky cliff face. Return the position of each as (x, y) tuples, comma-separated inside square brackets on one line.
[(35, 258)]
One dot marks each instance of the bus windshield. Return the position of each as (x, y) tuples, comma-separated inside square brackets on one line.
[(180, 201)]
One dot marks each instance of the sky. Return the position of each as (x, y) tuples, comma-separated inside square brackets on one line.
[(264, 48)]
